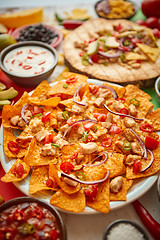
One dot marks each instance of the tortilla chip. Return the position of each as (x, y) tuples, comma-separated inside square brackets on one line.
[(8, 137), (145, 107), (101, 201), (69, 202), (115, 165), (95, 173), (135, 56), (38, 179), (122, 193), (41, 89), (154, 117), (51, 102), (133, 91), (152, 53), (11, 177), (34, 158), (9, 111)]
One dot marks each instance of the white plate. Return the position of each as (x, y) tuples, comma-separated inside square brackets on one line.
[(135, 192)]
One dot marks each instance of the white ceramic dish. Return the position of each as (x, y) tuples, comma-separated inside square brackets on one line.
[(135, 192)]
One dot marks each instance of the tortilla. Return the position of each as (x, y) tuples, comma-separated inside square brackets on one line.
[(113, 72)]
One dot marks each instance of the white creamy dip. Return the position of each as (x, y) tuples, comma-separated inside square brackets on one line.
[(29, 61)]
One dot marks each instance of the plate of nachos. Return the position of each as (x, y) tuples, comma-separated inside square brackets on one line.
[(82, 145)]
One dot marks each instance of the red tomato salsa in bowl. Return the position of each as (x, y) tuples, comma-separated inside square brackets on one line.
[(30, 219)]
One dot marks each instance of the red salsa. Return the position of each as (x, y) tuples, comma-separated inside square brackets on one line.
[(28, 221)]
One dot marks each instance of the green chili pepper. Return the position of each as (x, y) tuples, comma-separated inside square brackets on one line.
[(66, 115), (135, 102), (38, 115), (55, 145), (94, 128), (80, 175), (85, 62), (126, 43), (58, 18), (65, 85), (139, 35), (84, 136), (126, 145), (122, 57), (28, 228)]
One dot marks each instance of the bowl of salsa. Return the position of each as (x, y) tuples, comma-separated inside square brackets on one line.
[(30, 219)]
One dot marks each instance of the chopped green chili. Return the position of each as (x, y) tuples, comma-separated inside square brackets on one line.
[(135, 102), (66, 115), (126, 145), (126, 42), (28, 228), (94, 128), (84, 136), (55, 145), (65, 85), (122, 57), (80, 175)]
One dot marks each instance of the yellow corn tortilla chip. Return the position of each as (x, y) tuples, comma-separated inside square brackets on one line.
[(11, 177), (101, 201), (122, 193), (51, 102), (34, 158), (115, 165), (133, 91), (8, 137), (152, 53), (69, 202), (38, 179), (95, 173), (154, 117), (41, 89), (135, 56)]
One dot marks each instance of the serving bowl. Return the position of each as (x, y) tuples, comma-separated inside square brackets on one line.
[(28, 68), (102, 9), (157, 88), (119, 227), (27, 206)]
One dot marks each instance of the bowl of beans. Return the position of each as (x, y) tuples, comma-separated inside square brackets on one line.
[(39, 32), (29, 218), (116, 9)]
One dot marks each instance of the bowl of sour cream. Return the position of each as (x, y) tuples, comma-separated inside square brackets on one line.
[(28, 63)]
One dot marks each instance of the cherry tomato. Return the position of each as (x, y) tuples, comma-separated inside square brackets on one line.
[(74, 156), (18, 214), (101, 117), (151, 8), (48, 139), (66, 167), (46, 117), (13, 147), (106, 142), (93, 89), (49, 182), (88, 125), (36, 110), (94, 58), (137, 166), (156, 33), (71, 80), (91, 192), (115, 129), (141, 22), (37, 214), (151, 143), (54, 235), (152, 22)]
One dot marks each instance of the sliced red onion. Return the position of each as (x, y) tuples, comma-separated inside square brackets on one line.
[(128, 48), (90, 60), (150, 163), (95, 165), (76, 94), (75, 123), (108, 55), (111, 89), (141, 143), (86, 182), (22, 113), (122, 114)]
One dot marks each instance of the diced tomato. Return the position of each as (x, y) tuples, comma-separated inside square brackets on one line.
[(74, 156), (49, 182), (48, 139), (70, 121), (89, 139), (115, 129), (151, 143), (94, 58), (136, 40), (137, 166), (54, 235), (121, 100), (81, 54), (7, 233), (36, 110), (146, 127), (101, 117), (88, 125), (37, 214), (13, 147), (18, 214), (19, 170), (119, 27), (138, 61), (66, 167), (106, 142), (46, 117), (71, 80), (93, 89), (91, 192)]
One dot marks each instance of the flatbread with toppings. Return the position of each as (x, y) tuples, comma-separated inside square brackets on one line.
[(118, 51)]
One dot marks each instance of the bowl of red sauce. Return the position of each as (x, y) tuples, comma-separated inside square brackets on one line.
[(30, 219)]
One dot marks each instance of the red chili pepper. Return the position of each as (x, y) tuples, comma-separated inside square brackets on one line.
[(42, 63), (71, 24), (66, 167), (42, 70), (151, 143), (74, 156), (89, 139), (49, 182), (13, 61), (13, 147), (115, 129), (26, 67), (29, 57), (71, 80), (18, 214), (124, 111), (106, 142), (151, 224), (93, 89), (37, 213), (146, 127), (137, 166), (46, 117)]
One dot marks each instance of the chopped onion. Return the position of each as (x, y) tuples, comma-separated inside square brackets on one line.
[(150, 163), (75, 123), (122, 114), (95, 165), (108, 55), (111, 89), (141, 143), (22, 113), (128, 48), (86, 182), (76, 94)]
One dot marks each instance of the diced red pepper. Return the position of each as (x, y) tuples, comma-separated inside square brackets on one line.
[(106, 142), (137, 166), (18, 214), (66, 167), (146, 127), (118, 27), (46, 117), (151, 143), (48, 139), (13, 147), (115, 129), (94, 58)]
